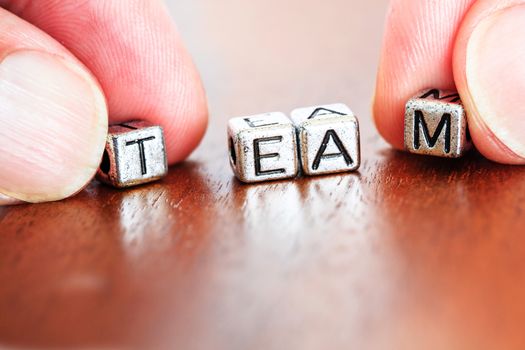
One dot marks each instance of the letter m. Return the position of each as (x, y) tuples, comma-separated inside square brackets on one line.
[(420, 126)]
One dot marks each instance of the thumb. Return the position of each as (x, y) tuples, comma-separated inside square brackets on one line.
[(489, 71), (53, 116)]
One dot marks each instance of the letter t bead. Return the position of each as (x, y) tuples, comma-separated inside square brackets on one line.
[(134, 154)]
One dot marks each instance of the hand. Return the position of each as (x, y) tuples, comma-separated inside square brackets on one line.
[(478, 46), (66, 67)]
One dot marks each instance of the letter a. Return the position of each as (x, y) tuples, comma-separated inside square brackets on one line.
[(331, 134)]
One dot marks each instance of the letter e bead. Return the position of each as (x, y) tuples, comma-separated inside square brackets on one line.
[(262, 147)]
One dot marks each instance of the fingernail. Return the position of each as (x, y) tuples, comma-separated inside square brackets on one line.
[(53, 125), (6, 200), (496, 75)]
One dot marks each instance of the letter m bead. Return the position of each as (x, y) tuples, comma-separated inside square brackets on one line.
[(135, 154), (262, 147), (436, 124)]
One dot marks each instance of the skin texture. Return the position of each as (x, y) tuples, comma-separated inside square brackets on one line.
[(489, 71), (130, 56), (426, 45), (53, 116), (416, 54), (133, 49)]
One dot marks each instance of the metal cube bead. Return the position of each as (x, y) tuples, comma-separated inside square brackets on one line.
[(328, 139), (135, 154), (262, 147), (436, 124)]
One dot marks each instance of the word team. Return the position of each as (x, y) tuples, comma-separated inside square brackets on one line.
[(314, 140)]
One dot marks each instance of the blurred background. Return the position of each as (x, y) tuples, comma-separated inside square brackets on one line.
[(279, 55)]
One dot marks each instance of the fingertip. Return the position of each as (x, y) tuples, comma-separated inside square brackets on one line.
[(178, 104), (54, 124), (7, 200), (488, 56), (136, 53), (416, 54), (185, 127), (388, 120)]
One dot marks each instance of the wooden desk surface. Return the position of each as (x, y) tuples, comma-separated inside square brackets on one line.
[(409, 253)]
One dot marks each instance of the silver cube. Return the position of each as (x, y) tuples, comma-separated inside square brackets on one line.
[(436, 124), (328, 139), (262, 147), (135, 154)]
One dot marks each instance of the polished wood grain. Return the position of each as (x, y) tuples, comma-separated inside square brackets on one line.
[(409, 253)]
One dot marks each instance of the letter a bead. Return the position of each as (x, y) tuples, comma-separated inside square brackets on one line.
[(328, 139), (262, 147), (436, 124), (135, 154)]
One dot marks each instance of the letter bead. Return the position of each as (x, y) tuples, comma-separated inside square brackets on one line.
[(436, 124), (328, 139), (135, 154), (262, 147)]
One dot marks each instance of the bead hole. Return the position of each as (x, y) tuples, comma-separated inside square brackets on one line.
[(106, 164), (232, 151)]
